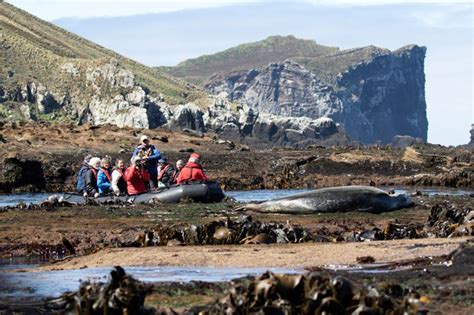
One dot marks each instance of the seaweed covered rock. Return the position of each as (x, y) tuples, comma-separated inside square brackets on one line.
[(447, 219), (244, 230), (315, 293), (270, 293), (122, 294)]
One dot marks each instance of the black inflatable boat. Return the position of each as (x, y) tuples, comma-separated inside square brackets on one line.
[(197, 191)]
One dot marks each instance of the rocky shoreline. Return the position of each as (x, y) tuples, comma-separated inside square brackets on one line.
[(417, 245), (52, 231), (46, 157)]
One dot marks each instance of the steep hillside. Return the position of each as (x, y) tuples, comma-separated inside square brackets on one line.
[(247, 56), (375, 93), (45, 69)]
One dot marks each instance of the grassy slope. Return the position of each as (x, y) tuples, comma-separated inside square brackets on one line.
[(247, 56), (324, 61), (34, 49), (328, 66)]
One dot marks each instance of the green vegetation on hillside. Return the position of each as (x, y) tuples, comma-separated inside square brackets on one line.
[(33, 50), (247, 56), (327, 66), (326, 62)]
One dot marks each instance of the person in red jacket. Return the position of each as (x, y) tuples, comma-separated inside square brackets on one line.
[(136, 177), (192, 171)]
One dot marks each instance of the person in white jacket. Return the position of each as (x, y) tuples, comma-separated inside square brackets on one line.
[(119, 185)]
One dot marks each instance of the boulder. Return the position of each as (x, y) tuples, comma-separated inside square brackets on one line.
[(136, 97), (112, 73), (405, 141), (124, 115), (187, 116)]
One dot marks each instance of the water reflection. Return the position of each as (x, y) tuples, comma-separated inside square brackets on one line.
[(269, 194), (54, 283), (248, 195)]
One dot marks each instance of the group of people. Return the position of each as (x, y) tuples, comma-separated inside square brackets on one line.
[(148, 170)]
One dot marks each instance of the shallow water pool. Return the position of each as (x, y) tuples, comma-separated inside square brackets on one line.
[(246, 196), (18, 284)]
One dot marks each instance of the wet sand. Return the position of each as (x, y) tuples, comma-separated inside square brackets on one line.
[(275, 255)]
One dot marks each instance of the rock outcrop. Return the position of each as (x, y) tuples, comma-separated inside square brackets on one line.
[(374, 93), (110, 95), (245, 124), (405, 141), (49, 74)]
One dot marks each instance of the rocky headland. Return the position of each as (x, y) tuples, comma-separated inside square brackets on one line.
[(375, 93)]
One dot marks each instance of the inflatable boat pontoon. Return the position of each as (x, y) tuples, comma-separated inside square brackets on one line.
[(197, 191)]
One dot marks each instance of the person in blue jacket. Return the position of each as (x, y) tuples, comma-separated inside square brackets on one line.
[(81, 175), (104, 178), (149, 156)]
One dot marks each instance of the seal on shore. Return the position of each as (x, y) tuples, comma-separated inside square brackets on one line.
[(334, 199)]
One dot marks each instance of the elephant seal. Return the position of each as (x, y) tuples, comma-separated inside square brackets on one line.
[(334, 199)]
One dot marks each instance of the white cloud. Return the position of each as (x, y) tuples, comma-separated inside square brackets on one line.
[(451, 16), (55, 9), (384, 2)]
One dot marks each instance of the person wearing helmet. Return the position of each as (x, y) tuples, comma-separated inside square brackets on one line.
[(192, 171), (149, 156)]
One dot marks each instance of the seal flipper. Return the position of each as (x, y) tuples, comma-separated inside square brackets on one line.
[(249, 207)]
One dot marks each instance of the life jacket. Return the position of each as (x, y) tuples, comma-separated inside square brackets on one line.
[(107, 174), (136, 180), (94, 171), (144, 152), (176, 174), (163, 172), (191, 172), (91, 181)]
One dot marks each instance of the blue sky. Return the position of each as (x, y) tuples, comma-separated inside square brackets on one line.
[(166, 32)]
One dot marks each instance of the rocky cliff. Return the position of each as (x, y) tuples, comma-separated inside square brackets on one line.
[(374, 93), (375, 99), (47, 73)]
